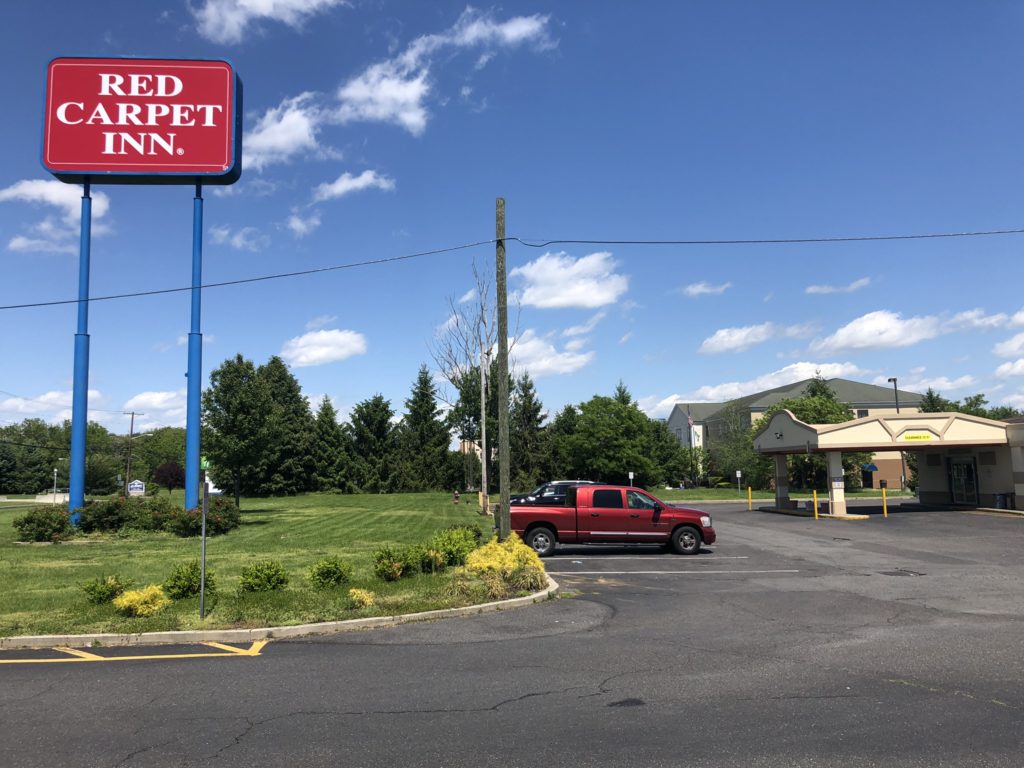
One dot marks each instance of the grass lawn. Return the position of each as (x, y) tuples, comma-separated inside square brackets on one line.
[(41, 593)]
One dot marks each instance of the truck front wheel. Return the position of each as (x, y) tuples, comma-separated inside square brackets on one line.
[(686, 540), (542, 540)]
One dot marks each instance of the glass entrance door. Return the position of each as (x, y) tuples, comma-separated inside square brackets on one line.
[(963, 481)]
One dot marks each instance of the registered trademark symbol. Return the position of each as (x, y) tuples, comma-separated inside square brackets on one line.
[(180, 151)]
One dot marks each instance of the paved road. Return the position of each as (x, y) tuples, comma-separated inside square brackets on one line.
[(790, 643)]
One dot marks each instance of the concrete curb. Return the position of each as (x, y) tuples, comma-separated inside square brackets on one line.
[(187, 637), (805, 513)]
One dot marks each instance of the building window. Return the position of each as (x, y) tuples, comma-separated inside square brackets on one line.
[(862, 412)]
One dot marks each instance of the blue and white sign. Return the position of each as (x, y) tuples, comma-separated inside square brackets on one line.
[(136, 488)]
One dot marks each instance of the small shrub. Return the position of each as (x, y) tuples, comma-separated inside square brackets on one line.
[(433, 560), (507, 568), (392, 564), (330, 572), (105, 589), (47, 522), (142, 602), (109, 515), (361, 598), (222, 516), (184, 581), (263, 576), (456, 543)]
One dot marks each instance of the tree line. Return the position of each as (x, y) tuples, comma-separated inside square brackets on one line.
[(263, 438)]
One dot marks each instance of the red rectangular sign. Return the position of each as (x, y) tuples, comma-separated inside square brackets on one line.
[(142, 121)]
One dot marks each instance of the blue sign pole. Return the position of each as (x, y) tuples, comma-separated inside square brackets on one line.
[(195, 359), (80, 392)]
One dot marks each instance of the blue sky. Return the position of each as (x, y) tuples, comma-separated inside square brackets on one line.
[(381, 129)]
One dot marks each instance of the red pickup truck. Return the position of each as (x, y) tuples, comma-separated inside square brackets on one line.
[(611, 514)]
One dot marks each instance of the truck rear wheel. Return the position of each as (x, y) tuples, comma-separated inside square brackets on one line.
[(542, 540), (686, 540)]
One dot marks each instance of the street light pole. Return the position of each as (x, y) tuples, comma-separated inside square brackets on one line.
[(54, 485), (903, 463)]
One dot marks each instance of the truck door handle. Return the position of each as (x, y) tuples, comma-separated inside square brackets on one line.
[(595, 514), (637, 515)]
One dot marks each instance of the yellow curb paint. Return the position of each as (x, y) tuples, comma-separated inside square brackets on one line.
[(84, 656)]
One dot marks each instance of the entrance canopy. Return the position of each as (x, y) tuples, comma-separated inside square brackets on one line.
[(786, 434)]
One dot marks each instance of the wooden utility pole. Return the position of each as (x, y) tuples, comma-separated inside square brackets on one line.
[(131, 434), (504, 517)]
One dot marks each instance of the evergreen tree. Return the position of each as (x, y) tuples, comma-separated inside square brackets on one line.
[(621, 394), (332, 454), (236, 420), (373, 443), (561, 462), (933, 402), (423, 438), (528, 444), (286, 466)]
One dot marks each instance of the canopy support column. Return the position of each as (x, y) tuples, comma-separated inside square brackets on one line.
[(781, 481), (836, 488)]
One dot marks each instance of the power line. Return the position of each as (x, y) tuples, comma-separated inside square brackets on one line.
[(33, 445), (530, 243), (261, 278)]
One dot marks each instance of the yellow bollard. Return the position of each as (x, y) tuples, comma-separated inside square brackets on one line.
[(750, 499), (885, 505), (815, 504)]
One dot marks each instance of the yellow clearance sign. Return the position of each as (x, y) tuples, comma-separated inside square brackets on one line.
[(916, 437)]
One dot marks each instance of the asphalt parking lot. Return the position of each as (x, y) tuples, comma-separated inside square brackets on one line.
[(791, 642)]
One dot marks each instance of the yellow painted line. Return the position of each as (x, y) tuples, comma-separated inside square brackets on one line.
[(253, 650), (80, 654), (83, 656)]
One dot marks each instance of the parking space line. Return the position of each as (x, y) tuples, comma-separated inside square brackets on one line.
[(639, 573), (78, 656), (79, 653)]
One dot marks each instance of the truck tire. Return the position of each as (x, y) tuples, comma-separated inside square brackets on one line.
[(686, 540), (541, 540)]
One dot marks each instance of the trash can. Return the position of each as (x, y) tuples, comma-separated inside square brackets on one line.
[(883, 483), (1001, 501)]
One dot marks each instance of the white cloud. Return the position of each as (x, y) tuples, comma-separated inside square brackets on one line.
[(879, 330), (227, 21), (659, 409), (740, 339), (1012, 347), (556, 280), (303, 226), (856, 285), (54, 237), (626, 337), (705, 289), (283, 132), (244, 239), (974, 319), (575, 345), (320, 321), (395, 91), (1016, 368), (321, 347), (347, 183), (388, 92), (467, 296), (53, 406), (539, 357), (789, 375), (918, 382), (585, 328)]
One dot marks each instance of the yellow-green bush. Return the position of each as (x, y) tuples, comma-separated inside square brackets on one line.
[(507, 568), (142, 602), (361, 598)]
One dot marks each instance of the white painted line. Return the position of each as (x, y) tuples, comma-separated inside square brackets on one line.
[(637, 573), (700, 559)]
